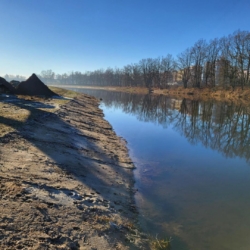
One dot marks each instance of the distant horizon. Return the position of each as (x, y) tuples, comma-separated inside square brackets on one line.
[(84, 72), (86, 36)]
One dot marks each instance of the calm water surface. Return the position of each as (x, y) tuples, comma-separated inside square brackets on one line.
[(193, 170)]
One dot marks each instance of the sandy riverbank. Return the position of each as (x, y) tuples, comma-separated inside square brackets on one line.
[(66, 180)]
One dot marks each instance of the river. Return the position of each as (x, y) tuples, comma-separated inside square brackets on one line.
[(192, 167)]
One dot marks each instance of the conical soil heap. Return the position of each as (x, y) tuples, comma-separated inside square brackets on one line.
[(34, 86), (7, 85)]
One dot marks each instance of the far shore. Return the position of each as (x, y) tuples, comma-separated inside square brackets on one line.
[(237, 95)]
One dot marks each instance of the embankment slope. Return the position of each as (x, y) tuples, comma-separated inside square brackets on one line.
[(66, 180)]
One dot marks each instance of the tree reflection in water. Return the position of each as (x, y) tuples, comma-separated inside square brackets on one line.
[(189, 192), (221, 126)]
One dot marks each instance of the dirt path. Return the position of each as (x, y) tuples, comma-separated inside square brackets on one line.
[(66, 180)]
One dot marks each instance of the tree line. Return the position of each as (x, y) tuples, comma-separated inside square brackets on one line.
[(220, 62), (14, 77)]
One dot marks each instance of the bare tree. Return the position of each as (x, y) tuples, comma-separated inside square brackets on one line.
[(199, 54), (213, 53), (48, 76), (228, 62), (150, 71), (224, 61), (167, 68), (184, 63), (241, 52)]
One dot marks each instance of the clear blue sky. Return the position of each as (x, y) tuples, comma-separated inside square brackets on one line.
[(81, 35)]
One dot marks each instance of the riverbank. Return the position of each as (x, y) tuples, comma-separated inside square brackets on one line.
[(66, 180), (236, 95)]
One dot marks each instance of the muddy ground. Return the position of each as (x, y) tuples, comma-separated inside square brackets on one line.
[(66, 180)]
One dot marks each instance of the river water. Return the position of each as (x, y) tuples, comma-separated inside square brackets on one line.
[(192, 167)]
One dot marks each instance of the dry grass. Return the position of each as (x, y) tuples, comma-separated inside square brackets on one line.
[(138, 90), (64, 92), (216, 93), (102, 218), (160, 244), (13, 115)]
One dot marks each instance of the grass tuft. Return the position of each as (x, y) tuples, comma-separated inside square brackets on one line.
[(161, 244)]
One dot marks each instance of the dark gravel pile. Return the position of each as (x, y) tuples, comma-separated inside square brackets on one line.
[(34, 86), (7, 86)]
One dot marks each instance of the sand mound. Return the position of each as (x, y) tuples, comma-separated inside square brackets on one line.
[(34, 86), (6, 86)]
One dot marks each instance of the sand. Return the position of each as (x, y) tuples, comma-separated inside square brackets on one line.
[(66, 180)]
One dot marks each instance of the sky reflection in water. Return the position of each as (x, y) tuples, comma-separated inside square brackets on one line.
[(193, 171)]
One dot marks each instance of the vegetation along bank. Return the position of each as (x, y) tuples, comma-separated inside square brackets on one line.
[(220, 62)]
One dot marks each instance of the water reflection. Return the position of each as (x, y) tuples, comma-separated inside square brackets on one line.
[(192, 170), (222, 126)]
